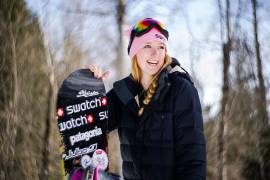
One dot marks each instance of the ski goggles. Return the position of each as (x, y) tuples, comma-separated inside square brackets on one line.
[(144, 26)]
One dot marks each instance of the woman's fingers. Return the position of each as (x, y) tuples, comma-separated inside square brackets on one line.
[(98, 73), (91, 67), (94, 69)]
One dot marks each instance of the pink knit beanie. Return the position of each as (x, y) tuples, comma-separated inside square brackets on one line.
[(138, 42)]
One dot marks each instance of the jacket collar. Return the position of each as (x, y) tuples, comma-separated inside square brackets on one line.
[(126, 89)]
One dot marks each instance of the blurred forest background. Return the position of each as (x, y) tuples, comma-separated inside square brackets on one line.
[(38, 49)]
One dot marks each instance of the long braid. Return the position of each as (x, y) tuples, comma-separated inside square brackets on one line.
[(149, 95), (136, 73)]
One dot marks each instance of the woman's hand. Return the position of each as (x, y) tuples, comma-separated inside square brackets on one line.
[(98, 73)]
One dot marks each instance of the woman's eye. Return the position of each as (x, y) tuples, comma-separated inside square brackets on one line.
[(161, 47), (147, 46)]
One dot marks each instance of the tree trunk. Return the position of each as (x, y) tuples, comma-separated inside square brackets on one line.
[(45, 151), (262, 93), (262, 109), (222, 132), (49, 116), (120, 21), (12, 117)]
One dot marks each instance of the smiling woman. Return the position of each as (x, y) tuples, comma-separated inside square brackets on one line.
[(151, 57), (157, 111)]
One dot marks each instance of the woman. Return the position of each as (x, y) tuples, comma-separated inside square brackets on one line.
[(157, 111)]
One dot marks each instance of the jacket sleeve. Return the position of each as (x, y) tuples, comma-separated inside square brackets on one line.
[(190, 152), (113, 109)]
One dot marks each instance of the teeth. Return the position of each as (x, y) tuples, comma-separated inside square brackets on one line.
[(152, 62)]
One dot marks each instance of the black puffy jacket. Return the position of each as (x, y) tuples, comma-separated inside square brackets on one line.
[(167, 141)]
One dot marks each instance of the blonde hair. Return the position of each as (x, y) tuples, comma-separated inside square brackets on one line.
[(136, 73)]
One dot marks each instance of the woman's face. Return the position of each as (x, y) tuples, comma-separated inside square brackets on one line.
[(151, 57)]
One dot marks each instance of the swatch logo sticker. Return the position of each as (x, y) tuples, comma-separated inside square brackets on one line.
[(60, 112), (90, 118), (104, 101), (76, 122), (86, 105)]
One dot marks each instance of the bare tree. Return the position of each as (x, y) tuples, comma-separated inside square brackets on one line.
[(49, 115), (262, 108), (120, 22), (262, 92), (222, 132)]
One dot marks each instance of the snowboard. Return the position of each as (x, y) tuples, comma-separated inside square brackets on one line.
[(81, 116)]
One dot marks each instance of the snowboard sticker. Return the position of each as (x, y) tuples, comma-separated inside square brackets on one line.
[(81, 116)]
